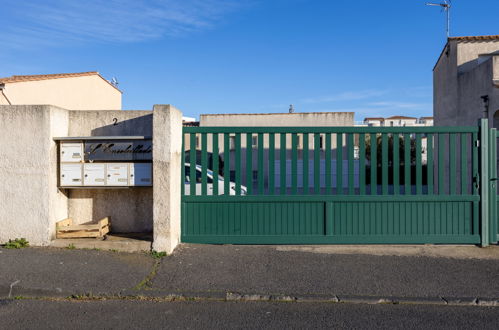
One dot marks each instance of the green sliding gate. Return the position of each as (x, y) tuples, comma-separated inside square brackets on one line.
[(335, 185)]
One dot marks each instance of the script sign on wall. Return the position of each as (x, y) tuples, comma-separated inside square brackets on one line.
[(121, 150)]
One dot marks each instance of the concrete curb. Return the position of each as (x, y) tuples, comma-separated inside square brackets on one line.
[(250, 297), (351, 299)]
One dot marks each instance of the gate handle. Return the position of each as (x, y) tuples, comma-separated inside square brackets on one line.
[(493, 179)]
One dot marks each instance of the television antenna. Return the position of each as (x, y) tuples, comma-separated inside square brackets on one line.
[(445, 5), (114, 82)]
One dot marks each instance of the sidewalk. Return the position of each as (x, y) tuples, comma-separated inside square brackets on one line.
[(231, 272)]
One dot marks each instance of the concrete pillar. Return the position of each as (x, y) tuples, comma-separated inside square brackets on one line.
[(167, 145)]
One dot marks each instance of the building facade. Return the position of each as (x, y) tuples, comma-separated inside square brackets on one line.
[(466, 81), (76, 91)]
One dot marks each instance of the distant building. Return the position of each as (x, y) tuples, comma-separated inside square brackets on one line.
[(73, 91), (396, 121), (466, 81)]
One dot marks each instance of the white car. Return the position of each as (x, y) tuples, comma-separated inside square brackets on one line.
[(209, 182)]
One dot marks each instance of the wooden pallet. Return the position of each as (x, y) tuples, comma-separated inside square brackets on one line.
[(66, 229)]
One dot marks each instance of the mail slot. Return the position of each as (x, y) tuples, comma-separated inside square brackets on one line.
[(117, 174), (140, 174), (71, 152), (71, 175), (94, 175)]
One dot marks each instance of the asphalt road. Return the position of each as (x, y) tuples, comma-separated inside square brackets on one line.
[(122, 314), (269, 270)]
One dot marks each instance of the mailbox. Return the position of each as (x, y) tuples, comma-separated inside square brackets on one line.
[(71, 152), (140, 174), (71, 175), (117, 174), (94, 174)]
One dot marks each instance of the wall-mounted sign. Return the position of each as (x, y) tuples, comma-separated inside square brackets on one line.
[(118, 150)]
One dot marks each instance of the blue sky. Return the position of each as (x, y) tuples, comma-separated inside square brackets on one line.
[(219, 56)]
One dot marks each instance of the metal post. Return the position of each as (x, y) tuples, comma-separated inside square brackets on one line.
[(484, 180)]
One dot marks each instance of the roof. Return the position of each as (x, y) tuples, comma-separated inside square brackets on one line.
[(474, 38), (37, 77), (400, 117), (374, 118), (427, 118)]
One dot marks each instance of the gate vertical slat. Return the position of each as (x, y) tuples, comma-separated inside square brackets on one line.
[(282, 147), (374, 164), (476, 182), (249, 163), (204, 164), (215, 163), (305, 164), (419, 166), (407, 164), (464, 165), (452, 162), (328, 163), (294, 163), (226, 164), (237, 165), (350, 163), (493, 227), (484, 182), (362, 163), (271, 163), (339, 163), (192, 168), (441, 148), (182, 169), (317, 163), (429, 163), (396, 164), (260, 165), (384, 164)]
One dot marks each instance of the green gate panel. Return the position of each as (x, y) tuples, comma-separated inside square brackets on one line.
[(327, 222), (253, 219)]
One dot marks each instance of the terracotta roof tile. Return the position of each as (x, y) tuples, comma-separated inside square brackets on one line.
[(374, 118), (475, 38), (37, 77)]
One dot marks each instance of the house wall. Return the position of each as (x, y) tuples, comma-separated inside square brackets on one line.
[(459, 81), (75, 93)]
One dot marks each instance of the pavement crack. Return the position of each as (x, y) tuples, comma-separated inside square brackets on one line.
[(11, 286), (146, 283)]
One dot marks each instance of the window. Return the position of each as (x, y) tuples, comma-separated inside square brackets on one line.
[(254, 141)]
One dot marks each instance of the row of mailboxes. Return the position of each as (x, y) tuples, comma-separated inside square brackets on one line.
[(106, 174)]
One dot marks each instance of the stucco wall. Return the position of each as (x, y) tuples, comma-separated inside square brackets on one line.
[(460, 80), (30, 201), (280, 119), (130, 209), (75, 93)]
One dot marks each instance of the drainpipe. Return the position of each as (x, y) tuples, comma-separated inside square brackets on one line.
[(2, 87)]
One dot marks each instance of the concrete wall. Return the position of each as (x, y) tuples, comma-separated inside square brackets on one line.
[(130, 209), (31, 202), (307, 119), (75, 93)]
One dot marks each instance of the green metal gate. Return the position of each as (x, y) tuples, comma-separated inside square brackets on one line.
[(333, 185)]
